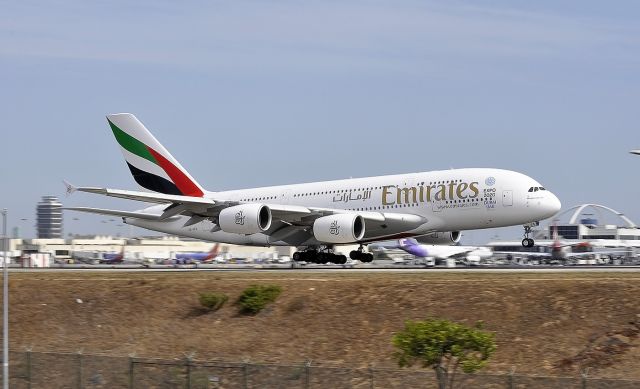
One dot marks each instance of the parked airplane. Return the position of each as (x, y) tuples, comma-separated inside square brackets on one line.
[(316, 216), (198, 257), (112, 259), (470, 254)]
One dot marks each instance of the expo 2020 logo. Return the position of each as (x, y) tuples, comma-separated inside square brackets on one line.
[(490, 181)]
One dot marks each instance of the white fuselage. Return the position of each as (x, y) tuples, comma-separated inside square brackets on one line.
[(447, 200)]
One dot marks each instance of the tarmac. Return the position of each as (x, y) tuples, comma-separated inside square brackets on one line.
[(331, 268)]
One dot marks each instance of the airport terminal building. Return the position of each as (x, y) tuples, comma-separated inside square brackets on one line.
[(140, 249)]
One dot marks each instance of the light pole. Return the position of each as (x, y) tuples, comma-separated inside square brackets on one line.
[(5, 303)]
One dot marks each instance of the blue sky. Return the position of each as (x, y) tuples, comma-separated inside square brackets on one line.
[(260, 93)]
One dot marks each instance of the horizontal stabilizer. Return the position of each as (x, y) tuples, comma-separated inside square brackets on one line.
[(112, 212)]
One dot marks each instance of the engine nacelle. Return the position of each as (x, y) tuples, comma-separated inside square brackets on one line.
[(441, 238), (339, 228), (245, 219)]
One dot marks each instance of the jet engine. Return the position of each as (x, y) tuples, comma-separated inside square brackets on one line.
[(339, 228), (245, 219), (441, 238)]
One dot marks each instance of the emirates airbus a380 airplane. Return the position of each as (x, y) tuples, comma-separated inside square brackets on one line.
[(431, 206)]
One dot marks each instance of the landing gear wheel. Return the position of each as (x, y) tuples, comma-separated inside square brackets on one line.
[(305, 256), (359, 255), (323, 258), (527, 242)]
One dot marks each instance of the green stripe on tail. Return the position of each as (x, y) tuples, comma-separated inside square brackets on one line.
[(131, 144)]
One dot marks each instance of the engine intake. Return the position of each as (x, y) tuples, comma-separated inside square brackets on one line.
[(441, 238), (245, 219), (339, 228)]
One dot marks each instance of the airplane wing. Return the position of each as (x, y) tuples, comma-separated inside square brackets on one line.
[(148, 197), (291, 217), (461, 252), (200, 204), (525, 254), (112, 212)]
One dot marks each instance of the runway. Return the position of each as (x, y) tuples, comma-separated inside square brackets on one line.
[(337, 269)]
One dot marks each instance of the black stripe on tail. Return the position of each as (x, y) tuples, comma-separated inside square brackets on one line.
[(153, 182)]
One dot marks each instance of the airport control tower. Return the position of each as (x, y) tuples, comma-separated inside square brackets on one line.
[(49, 215)]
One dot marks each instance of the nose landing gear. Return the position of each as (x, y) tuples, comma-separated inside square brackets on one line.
[(528, 242)]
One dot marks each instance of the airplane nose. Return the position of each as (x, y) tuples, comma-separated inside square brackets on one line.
[(553, 204)]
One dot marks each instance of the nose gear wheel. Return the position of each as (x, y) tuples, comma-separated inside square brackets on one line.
[(528, 242)]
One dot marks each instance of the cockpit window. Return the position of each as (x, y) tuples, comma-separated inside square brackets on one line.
[(535, 189), (541, 188), (531, 189)]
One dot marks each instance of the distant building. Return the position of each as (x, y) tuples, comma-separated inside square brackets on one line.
[(49, 218)]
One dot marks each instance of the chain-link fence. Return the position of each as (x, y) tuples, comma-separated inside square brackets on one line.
[(39, 370)]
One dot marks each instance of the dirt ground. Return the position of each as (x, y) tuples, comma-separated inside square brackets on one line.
[(545, 324)]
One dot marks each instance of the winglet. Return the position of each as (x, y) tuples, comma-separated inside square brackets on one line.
[(70, 188)]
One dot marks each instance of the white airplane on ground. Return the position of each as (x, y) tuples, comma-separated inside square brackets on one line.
[(470, 254), (319, 215)]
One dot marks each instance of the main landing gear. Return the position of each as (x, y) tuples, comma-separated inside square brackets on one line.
[(528, 242), (322, 257), (361, 256)]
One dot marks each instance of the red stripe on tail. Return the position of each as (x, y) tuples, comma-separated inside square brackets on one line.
[(186, 186)]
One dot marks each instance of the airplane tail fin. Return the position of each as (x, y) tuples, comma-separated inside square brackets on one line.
[(151, 165), (120, 257), (214, 251)]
